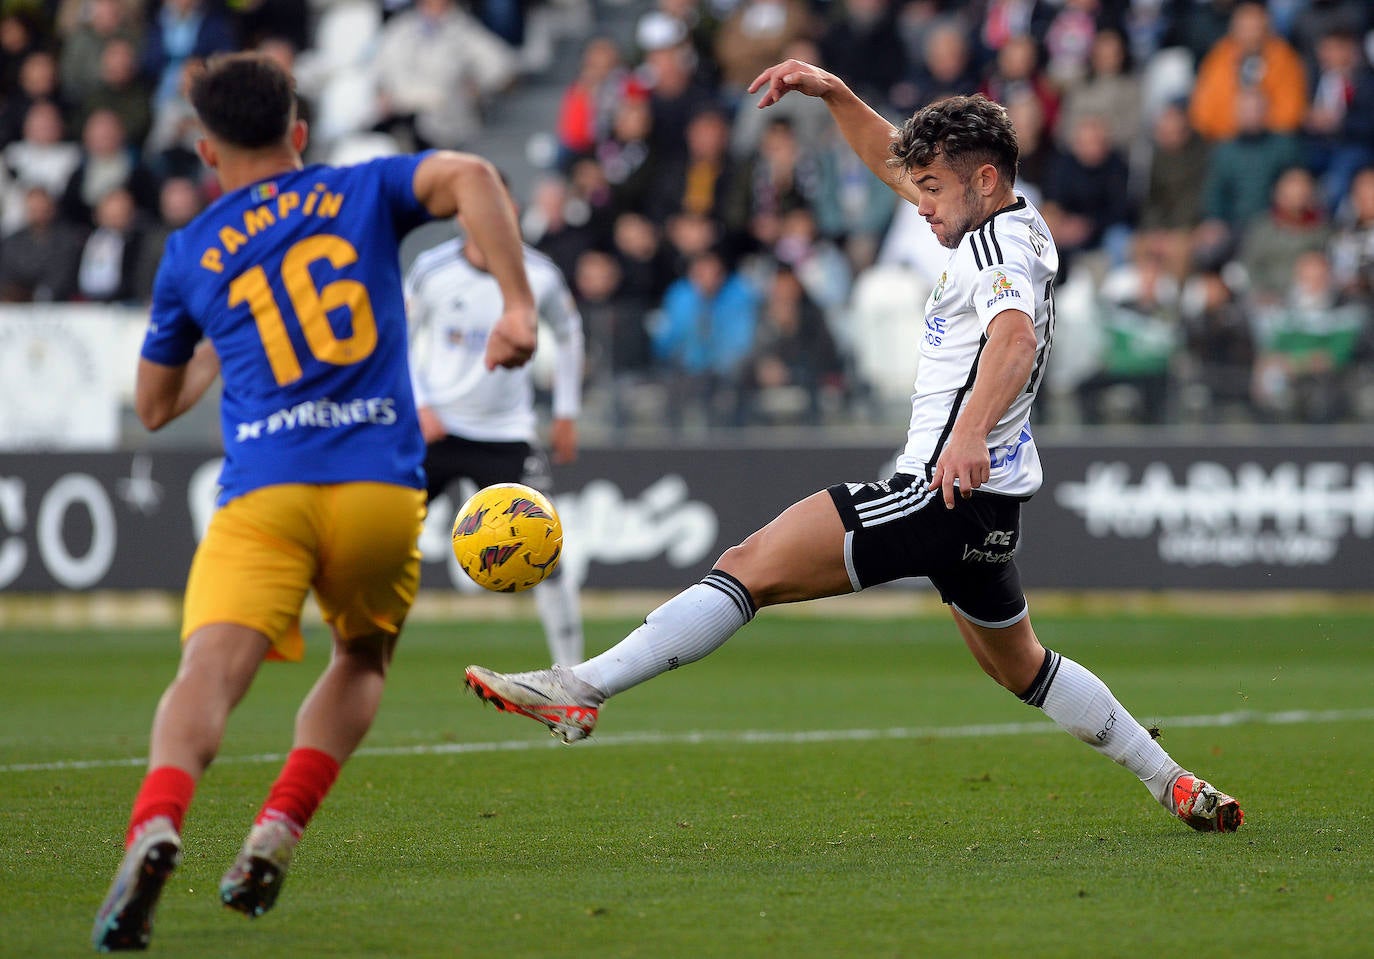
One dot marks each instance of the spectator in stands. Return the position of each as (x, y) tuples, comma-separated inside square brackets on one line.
[(1220, 346), (41, 158), (1250, 56), (646, 266), (810, 117), (435, 65), (590, 193), (1017, 70), (182, 31), (1240, 177), (1139, 317), (626, 155), (259, 20), (589, 103), (1087, 195), (704, 337), (794, 360), (1198, 27), (37, 83), (688, 234), (1038, 152), (670, 73), (1296, 223), (1307, 346), (99, 22), (817, 263), (753, 37), (1339, 126), (701, 178), (618, 350), (38, 262), (853, 207), (1110, 89), (1006, 20), (557, 224), (170, 150), (1352, 244), (106, 164), (781, 176), (700, 19), (1172, 207), (179, 201), (944, 69), (863, 46), (107, 272), (120, 89), (1069, 40), (20, 35)]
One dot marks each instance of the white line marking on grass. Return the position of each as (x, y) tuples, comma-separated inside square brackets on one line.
[(754, 736)]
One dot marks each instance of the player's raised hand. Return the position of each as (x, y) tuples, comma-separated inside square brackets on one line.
[(790, 75), (964, 461), (513, 339)]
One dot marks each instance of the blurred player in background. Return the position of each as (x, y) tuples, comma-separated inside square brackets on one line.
[(480, 423), (951, 512), (292, 279)]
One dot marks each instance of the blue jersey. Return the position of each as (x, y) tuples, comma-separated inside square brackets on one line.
[(296, 281)]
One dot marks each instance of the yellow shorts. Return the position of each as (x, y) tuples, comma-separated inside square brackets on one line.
[(356, 544)]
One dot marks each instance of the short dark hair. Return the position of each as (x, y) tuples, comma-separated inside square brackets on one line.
[(966, 131), (245, 99)]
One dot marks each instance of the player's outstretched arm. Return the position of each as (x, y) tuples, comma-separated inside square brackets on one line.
[(1003, 369), (447, 182), (162, 393), (864, 129)]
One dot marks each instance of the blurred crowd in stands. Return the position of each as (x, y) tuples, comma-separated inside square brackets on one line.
[(1206, 166)]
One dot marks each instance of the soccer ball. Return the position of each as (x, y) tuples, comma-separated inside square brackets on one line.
[(507, 538)]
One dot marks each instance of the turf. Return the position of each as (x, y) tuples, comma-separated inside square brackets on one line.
[(464, 832)]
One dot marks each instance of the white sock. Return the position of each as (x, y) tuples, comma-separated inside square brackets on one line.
[(560, 610), (692, 624), (1081, 704)]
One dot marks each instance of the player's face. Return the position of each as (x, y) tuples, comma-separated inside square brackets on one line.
[(949, 204)]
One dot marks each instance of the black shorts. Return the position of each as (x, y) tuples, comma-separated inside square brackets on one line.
[(899, 528), (454, 458)]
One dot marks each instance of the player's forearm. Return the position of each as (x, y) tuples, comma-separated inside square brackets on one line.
[(488, 213), (569, 359), (1003, 370), (163, 393)]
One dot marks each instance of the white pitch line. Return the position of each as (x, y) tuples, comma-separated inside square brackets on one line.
[(753, 737)]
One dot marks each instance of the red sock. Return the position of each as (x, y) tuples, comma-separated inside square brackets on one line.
[(301, 787), (166, 791)]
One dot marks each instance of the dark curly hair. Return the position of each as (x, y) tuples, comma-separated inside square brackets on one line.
[(245, 99), (966, 131)]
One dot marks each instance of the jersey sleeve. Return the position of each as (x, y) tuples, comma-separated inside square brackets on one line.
[(396, 176), (1004, 284), (557, 309), (417, 323), (172, 333)]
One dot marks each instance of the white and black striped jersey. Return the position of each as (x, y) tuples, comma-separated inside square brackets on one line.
[(452, 308), (1008, 262)]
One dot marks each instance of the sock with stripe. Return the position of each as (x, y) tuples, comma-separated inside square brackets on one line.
[(1082, 705), (166, 791), (692, 624), (305, 779)]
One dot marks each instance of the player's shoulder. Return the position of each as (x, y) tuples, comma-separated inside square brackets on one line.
[(537, 261), (434, 260)]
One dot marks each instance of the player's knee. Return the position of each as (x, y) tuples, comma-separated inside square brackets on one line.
[(744, 563)]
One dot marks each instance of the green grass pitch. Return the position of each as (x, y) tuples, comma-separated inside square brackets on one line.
[(820, 787)]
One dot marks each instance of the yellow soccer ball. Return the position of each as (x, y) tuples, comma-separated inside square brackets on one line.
[(507, 537)]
